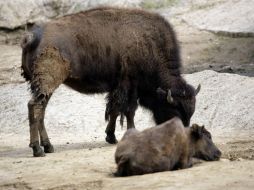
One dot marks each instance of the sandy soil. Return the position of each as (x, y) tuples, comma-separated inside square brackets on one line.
[(89, 165)]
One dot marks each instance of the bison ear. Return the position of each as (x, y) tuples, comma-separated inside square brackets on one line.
[(161, 92), (197, 90), (197, 131)]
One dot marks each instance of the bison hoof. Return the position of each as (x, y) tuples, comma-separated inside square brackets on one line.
[(48, 148), (111, 139), (37, 151)]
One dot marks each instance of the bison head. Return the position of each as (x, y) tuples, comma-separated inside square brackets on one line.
[(177, 102), (202, 143)]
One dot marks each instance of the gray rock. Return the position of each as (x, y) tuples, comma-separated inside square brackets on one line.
[(233, 18), (16, 13), (225, 102), (118, 3)]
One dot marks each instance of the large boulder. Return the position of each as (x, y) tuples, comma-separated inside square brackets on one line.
[(225, 103), (233, 18), (16, 13)]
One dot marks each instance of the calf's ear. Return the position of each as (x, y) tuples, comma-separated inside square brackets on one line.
[(161, 92), (197, 131)]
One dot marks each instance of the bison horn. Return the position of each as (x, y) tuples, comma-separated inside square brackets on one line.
[(169, 97), (198, 89)]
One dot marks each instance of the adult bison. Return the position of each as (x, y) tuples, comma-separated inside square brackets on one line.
[(131, 54)]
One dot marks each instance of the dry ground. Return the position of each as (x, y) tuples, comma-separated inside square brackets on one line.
[(88, 163), (84, 161)]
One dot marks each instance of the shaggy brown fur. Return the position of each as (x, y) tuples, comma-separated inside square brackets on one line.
[(127, 53), (165, 147)]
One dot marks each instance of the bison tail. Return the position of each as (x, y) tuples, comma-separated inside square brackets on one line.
[(123, 167), (32, 38)]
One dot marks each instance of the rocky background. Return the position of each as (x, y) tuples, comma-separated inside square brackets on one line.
[(217, 41)]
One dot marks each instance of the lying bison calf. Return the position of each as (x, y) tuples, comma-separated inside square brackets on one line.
[(168, 146)]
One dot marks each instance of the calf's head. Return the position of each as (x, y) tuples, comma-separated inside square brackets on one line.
[(202, 144), (178, 102)]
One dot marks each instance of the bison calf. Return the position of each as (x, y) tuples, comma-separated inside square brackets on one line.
[(168, 146)]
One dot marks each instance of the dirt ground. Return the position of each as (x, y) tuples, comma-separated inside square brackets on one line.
[(89, 165), (83, 160), (202, 50)]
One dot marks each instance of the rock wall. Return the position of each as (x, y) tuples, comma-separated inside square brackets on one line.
[(232, 18), (16, 13)]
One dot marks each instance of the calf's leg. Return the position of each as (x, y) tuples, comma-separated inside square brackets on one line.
[(132, 106), (110, 130), (117, 100), (122, 101), (185, 160)]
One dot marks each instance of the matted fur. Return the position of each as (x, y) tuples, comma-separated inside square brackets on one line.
[(50, 70)]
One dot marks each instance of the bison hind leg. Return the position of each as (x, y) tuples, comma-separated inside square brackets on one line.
[(48, 147), (37, 151), (50, 70)]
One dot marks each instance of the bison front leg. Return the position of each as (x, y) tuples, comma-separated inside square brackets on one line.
[(132, 106), (130, 119), (122, 101), (50, 70), (185, 163), (116, 102), (185, 159), (110, 130)]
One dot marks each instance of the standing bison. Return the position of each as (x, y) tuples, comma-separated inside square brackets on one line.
[(131, 54)]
